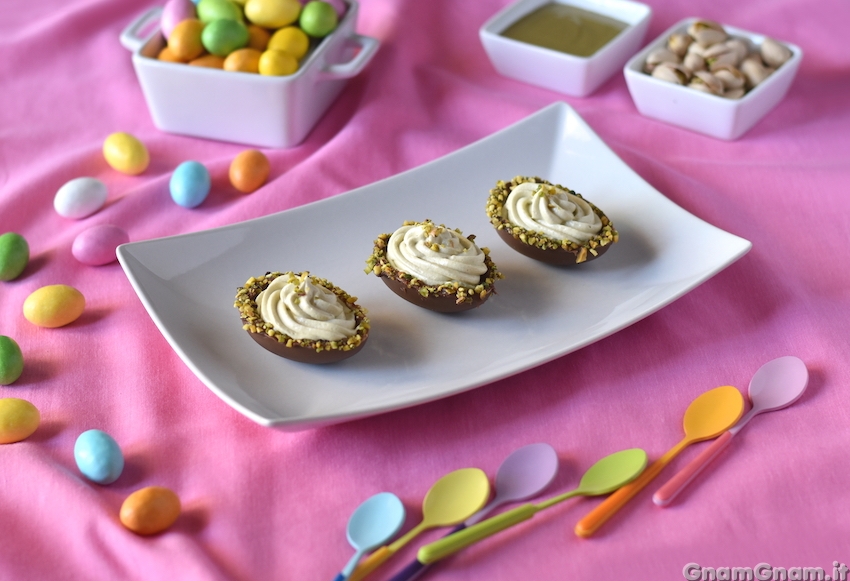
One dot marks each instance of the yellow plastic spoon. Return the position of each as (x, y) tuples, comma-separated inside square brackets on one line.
[(451, 500), (707, 417), (609, 473)]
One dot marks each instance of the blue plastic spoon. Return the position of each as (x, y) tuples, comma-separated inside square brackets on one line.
[(375, 522)]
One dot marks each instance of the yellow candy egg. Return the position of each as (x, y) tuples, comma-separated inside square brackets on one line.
[(185, 40), (276, 63), (125, 153), (258, 37), (54, 305), (290, 39), (244, 60), (18, 420), (150, 510), (249, 170), (272, 13)]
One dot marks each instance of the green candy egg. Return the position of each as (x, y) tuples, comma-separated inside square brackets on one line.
[(211, 10), (11, 361), (14, 255), (222, 37), (318, 18)]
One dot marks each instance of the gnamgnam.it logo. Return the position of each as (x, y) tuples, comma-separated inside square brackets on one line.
[(764, 572)]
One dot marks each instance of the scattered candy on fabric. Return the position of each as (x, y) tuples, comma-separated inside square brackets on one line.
[(249, 170), (222, 37), (11, 360), (150, 510), (185, 40), (96, 246), (80, 197), (318, 18), (124, 153), (54, 306), (14, 255), (19, 419), (98, 456), (272, 13), (189, 184), (174, 12)]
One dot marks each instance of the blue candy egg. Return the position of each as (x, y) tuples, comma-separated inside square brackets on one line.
[(190, 184), (98, 457)]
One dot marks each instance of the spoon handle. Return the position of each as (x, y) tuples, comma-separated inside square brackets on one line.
[(370, 563), (453, 543), (683, 477), (416, 568), (609, 507)]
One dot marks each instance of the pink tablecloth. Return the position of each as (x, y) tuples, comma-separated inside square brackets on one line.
[(261, 504)]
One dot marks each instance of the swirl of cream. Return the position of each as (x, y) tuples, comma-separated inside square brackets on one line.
[(302, 309), (553, 212), (436, 255)]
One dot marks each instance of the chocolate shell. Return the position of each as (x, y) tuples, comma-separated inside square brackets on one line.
[(539, 247), (302, 350), (441, 303)]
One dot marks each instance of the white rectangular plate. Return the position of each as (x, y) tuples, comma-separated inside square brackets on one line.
[(187, 283)]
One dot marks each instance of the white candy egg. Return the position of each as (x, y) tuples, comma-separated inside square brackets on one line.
[(80, 197)]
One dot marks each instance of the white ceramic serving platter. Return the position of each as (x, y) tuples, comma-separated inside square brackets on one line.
[(187, 283)]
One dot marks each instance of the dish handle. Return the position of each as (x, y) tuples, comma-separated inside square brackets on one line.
[(130, 37), (368, 46)]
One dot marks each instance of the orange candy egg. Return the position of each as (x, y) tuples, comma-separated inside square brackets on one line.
[(150, 510), (209, 61), (258, 37), (249, 170), (185, 39), (244, 60)]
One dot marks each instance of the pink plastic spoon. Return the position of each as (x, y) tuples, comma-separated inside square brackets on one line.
[(776, 384)]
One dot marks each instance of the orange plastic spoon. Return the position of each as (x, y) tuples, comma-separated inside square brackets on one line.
[(707, 417)]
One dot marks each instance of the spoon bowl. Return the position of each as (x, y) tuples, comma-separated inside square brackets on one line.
[(372, 524)]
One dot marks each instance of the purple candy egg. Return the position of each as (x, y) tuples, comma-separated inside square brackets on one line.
[(174, 12), (96, 245)]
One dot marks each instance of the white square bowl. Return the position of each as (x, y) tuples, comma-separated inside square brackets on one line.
[(246, 108), (701, 112), (559, 71)]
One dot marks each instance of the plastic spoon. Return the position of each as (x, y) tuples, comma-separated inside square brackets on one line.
[(708, 416), (374, 523), (776, 384), (525, 473), (608, 474), (452, 499)]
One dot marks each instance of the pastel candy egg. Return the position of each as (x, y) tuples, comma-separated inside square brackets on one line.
[(54, 306), (14, 255), (222, 37), (18, 420), (290, 39), (189, 184), (244, 60), (174, 12), (209, 61), (210, 10), (258, 37), (184, 44), (249, 170), (96, 245), (98, 456), (80, 197), (318, 18), (11, 360), (277, 63), (150, 510), (272, 13), (125, 153)]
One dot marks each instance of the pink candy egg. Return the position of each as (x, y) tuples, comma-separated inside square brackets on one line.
[(173, 12), (96, 245)]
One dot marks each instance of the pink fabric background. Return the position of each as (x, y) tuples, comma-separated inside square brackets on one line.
[(261, 504)]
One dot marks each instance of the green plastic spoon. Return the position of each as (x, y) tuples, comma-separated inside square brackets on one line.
[(607, 475)]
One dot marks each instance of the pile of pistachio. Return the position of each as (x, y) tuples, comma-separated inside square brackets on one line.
[(708, 59)]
